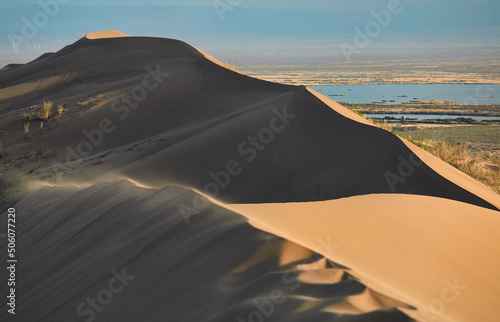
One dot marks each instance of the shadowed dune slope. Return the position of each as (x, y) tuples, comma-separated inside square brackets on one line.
[(288, 142), (73, 242)]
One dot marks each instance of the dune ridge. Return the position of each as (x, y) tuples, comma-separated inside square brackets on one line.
[(217, 268), (444, 169), (374, 227), (105, 34), (338, 153), (416, 224)]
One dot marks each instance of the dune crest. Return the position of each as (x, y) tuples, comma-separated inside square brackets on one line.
[(344, 111), (106, 34), (439, 166), (369, 223), (138, 231), (361, 233)]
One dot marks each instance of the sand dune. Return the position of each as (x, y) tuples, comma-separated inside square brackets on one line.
[(217, 268), (197, 107), (374, 228), (106, 34), (442, 168), (386, 240)]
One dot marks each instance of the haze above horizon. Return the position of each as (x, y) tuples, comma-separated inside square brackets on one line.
[(249, 32)]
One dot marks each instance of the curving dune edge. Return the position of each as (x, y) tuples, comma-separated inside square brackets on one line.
[(304, 224)]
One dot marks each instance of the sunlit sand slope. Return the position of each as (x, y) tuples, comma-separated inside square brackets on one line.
[(437, 255)]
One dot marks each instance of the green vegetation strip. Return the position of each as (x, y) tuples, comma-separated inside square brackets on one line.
[(425, 108)]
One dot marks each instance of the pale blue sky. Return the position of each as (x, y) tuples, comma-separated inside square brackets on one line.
[(289, 4), (309, 30)]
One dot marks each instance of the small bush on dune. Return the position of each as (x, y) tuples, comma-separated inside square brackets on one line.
[(45, 111), (231, 67), (381, 125), (461, 157), (359, 113)]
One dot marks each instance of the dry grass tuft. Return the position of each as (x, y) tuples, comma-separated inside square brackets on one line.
[(383, 126), (231, 67), (45, 111), (480, 167)]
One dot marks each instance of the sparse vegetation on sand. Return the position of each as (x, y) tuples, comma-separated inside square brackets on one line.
[(26, 128), (45, 111), (474, 150), (481, 138), (432, 107), (231, 67), (485, 169)]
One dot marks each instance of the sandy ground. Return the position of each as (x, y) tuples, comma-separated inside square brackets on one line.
[(217, 267), (439, 283)]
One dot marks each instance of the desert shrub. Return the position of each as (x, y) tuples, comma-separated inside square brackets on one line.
[(381, 124), (231, 67), (384, 126), (60, 109), (45, 112), (26, 127), (423, 145), (459, 155), (359, 113)]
